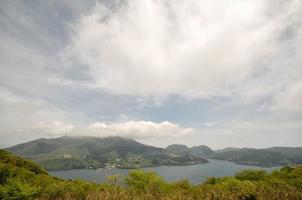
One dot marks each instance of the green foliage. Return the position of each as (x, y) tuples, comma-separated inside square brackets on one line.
[(251, 175), (146, 182), (63, 164), (22, 180), (8, 158), (211, 181)]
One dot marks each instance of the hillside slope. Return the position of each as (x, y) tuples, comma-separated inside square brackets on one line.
[(201, 151), (276, 156), (95, 152)]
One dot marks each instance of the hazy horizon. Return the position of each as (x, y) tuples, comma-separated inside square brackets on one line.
[(155, 144), (215, 73)]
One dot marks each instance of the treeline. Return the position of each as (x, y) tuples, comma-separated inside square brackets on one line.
[(22, 179)]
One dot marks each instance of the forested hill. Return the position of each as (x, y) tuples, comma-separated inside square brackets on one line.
[(21, 179), (276, 156), (96, 152)]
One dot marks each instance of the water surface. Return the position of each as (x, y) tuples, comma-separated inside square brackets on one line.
[(194, 173)]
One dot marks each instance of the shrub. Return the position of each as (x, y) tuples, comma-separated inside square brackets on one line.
[(146, 182), (251, 175)]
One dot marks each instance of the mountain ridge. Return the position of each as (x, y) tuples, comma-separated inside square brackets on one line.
[(95, 152), (266, 157), (74, 152)]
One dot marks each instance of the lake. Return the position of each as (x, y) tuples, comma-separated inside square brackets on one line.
[(194, 173)]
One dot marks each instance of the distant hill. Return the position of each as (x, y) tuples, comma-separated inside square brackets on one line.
[(96, 152), (276, 156), (294, 154), (227, 149), (177, 149), (200, 151), (81, 145)]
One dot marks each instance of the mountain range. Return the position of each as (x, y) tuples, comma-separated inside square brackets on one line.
[(268, 157), (95, 152)]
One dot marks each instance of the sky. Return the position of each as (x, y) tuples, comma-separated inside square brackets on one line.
[(214, 72)]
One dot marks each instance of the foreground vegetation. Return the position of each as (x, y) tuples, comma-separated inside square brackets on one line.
[(23, 179)]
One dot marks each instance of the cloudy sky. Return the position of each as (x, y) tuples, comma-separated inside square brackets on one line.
[(215, 72)]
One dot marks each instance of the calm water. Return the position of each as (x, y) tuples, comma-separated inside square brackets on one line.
[(194, 173)]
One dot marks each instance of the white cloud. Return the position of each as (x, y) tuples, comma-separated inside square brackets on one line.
[(255, 133), (245, 55), (290, 99), (161, 48), (18, 111), (131, 129), (54, 128), (136, 129)]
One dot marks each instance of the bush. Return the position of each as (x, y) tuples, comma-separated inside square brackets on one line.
[(251, 175), (146, 182)]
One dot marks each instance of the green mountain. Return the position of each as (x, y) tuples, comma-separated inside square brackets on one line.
[(294, 154), (199, 151), (177, 149), (276, 156), (95, 152)]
